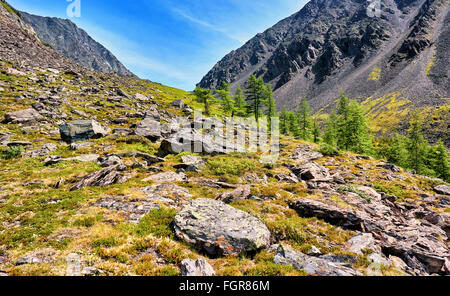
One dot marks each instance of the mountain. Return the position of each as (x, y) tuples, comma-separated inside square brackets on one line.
[(66, 38), (19, 43), (333, 44)]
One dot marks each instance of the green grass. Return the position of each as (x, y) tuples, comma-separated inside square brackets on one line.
[(394, 189), (157, 222), (104, 242)]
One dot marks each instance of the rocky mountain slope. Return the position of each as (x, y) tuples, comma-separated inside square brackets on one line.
[(91, 184), (19, 43), (66, 38), (333, 44)]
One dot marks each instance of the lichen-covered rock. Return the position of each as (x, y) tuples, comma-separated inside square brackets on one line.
[(199, 267), (81, 130), (220, 229), (312, 172), (43, 151), (394, 229), (190, 163), (166, 177), (315, 266), (149, 128), (178, 104), (109, 160), (240, 193), (442, 189), (23, 116), (361, 242)]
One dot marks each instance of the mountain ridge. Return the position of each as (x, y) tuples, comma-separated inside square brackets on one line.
[(73, 42)]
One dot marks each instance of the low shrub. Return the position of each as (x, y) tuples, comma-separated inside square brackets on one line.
[(11, 153)]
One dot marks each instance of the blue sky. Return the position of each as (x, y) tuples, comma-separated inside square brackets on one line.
[(174, 42)]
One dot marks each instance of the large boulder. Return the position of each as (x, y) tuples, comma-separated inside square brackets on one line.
[(178, 104), (330, 213), (149, 128), (23, 116), (81, 130), (220, 229)]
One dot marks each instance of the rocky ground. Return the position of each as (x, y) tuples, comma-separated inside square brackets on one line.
[(99, 190)]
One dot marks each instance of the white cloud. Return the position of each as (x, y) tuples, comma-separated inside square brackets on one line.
[(209, 26)]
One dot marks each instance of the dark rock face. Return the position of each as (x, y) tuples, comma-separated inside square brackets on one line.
[(69, 40), (334, 44)]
